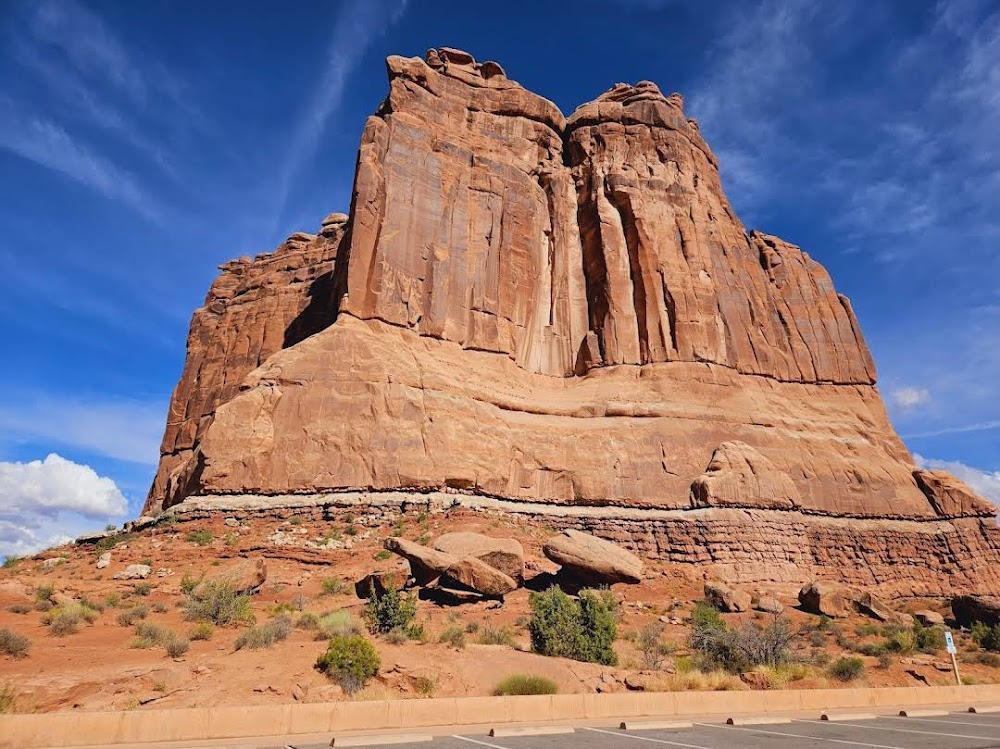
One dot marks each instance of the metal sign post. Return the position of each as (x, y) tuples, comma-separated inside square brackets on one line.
[(949, 642)]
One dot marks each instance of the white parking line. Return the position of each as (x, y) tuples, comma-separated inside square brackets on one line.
[(645, 738), (977, 723), (898, 730), (477, 741), (801, 736)]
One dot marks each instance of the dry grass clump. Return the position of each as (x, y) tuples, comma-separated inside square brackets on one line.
[(203, 631), (264, 636), (219, 604), (520, 684), (66, 619), (496, 636), (13, 645), (130, 616), (702, 681), (149, 635)]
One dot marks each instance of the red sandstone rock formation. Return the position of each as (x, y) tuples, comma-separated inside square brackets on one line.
[(563, 311)]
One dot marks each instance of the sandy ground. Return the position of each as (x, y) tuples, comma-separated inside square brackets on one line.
[(96, 669)]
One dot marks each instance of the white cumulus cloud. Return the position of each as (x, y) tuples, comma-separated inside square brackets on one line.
[(47, 502), (986, 483), (907, 398)]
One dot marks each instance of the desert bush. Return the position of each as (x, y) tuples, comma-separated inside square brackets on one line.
[(142, 589), (308, 621), (203, 631), (113, 600), (847, 668), (737, 650), (986, 637), (188, 584), (650, 642), (494, 635), (332, 586), (177, 647), (901, 641), (200, 537), (454, 636), (584, 630), (19, 608), (396, 636), (65, 620), (11, 561), (43, 597), (381, 556), (149, 635), (130, 616), (873, 648), (8, 699), (110, 542), (350, 661), (519, 684), (389, 610), (13, 645), (928, 639), (472, 627), (264, 636), (988, 659), (884, 661), (704, 614), (218, 603)]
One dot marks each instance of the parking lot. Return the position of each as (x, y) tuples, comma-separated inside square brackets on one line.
[(951, 731)]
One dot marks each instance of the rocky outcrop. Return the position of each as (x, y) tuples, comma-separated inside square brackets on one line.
[(564, 313), (726, 599), (254, 309), (503, 554), (970, 609), (478, 576), (826, 599), (426, 565), (593, 560)]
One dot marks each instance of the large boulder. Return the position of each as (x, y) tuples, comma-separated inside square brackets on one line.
[(592, 559), (477, 575), (768, 605), (872, 606), (970, 609), (242, 575), (426, 564), (504, 554), (134, 572), (929, 618), (378, 583), (827, 599), (727, 599)]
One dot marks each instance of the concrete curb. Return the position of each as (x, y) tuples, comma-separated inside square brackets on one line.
[(200, 724)]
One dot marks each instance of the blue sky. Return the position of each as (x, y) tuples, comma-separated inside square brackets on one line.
[(142, 144)]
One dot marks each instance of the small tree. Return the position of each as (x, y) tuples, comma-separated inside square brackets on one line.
[(389, 610), (584, 630)]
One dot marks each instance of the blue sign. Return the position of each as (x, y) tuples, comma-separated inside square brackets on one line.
[(950, 643)]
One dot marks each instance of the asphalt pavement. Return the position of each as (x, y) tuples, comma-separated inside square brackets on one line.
[(951, 731)]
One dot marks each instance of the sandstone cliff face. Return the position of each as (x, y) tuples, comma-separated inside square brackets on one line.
[(254, 308), (565, 312)]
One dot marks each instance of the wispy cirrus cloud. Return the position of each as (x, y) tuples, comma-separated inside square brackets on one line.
[(121, 429), (356, 26), (42, 141)]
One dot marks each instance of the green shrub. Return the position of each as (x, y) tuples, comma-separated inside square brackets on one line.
[(150, 636), (332, 586), (350, 661), (130, 616), (110, 542), (203, 631), (454, 636), (308, 621), (13, 645), (44, 593), (873, 648), (265, 635), (188, 583), (704, 614), (884, 661), (518, 684), (928, 639), (143, 589), (987, 637), (847, 669), (113, 600), (389, 610), (218, 603), (177, 647), (381, 556), (10, 561), (901, 642), (494, 635), (583, 629), (200, 537)]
